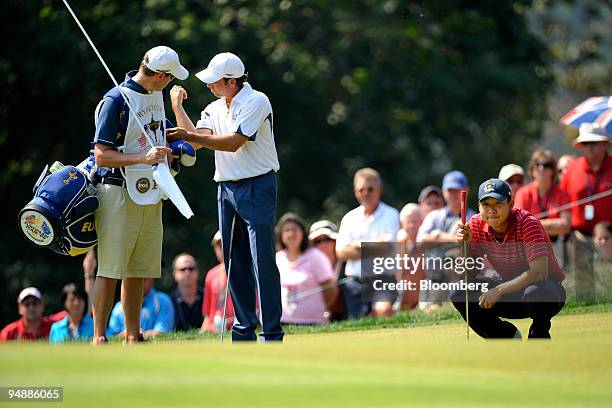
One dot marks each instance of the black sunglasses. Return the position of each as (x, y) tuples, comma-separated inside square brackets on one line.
[(546, 165), (515, 180), (187, 268)]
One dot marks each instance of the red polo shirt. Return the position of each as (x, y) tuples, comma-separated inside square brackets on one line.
[(580, 181), (17, 331), (528, 199), (214, 292), (524, 241)]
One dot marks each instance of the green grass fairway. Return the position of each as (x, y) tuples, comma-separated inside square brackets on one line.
[(419, 366)]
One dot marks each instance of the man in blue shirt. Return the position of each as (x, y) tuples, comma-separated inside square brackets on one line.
[(129, 219), (156, 316), (439, 227)]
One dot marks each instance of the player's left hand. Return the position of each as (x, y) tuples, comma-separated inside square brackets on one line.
[(489, 298), (176, 133), (177, 95)]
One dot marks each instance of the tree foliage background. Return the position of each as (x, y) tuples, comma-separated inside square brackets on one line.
[(413, 89)]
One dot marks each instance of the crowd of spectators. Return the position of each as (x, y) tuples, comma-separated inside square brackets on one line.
[(320, 266)]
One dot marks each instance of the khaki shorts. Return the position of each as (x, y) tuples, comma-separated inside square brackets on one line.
[(129, 235)]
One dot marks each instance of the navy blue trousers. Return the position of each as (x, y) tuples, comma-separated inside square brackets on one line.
[(539, 301), (250, 205)]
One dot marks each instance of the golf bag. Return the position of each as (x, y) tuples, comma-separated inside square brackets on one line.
[(61, 214)]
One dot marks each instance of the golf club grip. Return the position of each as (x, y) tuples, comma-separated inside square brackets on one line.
[(463, 218), (463, 206)]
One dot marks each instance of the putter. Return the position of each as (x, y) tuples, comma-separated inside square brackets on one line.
[(229, 271), (465, 251)]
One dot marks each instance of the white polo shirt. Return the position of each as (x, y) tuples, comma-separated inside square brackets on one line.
[(382, 226), (250, 114)]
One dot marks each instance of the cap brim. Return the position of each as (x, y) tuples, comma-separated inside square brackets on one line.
[(590, 137), (27, 296), (506, 177), (496, 196), (454, 187), (427, 191), (207, 76), (181, 73), (322, 233)]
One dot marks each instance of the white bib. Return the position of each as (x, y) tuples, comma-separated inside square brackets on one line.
[(149, 108)]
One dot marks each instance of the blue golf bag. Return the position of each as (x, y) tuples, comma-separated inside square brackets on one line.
[(61, 214)]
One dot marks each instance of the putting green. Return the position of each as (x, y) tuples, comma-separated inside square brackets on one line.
[(422, 366)]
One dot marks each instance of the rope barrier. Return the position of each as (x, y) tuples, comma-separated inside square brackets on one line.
[(574, 204), (319, 289)]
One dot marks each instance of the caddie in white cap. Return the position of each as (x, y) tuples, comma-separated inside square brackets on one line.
[(129, 219), (238, 126), (162, 59)]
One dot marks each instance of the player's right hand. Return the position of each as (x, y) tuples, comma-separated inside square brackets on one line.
[(156, 154), (177, 95), (463, 233)]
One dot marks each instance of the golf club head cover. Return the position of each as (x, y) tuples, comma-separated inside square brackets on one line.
[(183, 152)]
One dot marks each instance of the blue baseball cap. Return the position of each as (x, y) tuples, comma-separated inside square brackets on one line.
[(495, 188), (454, 180)]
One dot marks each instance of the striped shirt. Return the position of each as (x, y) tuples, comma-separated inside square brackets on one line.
[(524, 241)]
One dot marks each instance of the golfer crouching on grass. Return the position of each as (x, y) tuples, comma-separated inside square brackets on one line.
[(518, 248)]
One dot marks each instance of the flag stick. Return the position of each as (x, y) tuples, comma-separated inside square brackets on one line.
[(465, 254)]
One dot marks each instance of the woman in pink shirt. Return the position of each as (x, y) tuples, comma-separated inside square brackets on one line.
[(307, 280)]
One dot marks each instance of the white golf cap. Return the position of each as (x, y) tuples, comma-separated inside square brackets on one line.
[(30, 291), (323, 228), (510, 170), (224, 65), (165, 59), (591, 132)]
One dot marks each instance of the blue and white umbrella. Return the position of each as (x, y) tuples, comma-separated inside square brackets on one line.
[(595, 110)]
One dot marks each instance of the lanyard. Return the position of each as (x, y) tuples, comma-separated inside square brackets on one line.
[(599, 173)]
